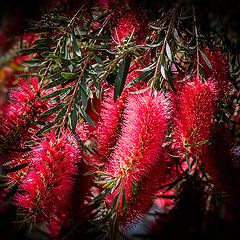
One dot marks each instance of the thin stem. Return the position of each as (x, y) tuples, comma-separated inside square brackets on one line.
[(160, 58), (197, 40), (57, 47), (73, 96)]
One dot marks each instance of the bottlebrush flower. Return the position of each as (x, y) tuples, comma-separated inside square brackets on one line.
[(220, 162), (194, 110), (220, 73), (44, 192), (111, 119), (110, 125), (137, 156), (129, 24), (17, 118)]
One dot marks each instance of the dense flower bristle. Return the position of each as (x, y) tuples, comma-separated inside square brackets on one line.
[(194, 111), (48, 183), (17, 118), (220, 162), (137, 156), (220, 70), (110, 125), (130, 24), (111, 119)]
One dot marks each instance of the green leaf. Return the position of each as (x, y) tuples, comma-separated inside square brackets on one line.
[(104, 38), (163, 72), (40, 29), (121, 77), (89, 173), (116, 201), (69, 75), (75, 45), (54, 83), (86, 117), (34, 49), (98, 60), (33, 62), (90, 50), (55, 76), (43, 41), (134, 187), (104, 174), (146, 75), (102, 194), (124, 202), (46, 127), (170, 81), (176, 35), (50, 111), (203, 142), (103, 182), (56, 93), (206, 60), (61, 113), (140, 91), (148, 68), (188, 163), (112, 226), (168, 50), (79, 140), (17, 168), (83, 95), (74, 119)]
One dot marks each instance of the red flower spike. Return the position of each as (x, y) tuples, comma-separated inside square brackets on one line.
[(111, 119), (220, 73), (194, 110), (46, 188), (129, 24), (110, 125), (221, 163), (17, 118), (137, 158)]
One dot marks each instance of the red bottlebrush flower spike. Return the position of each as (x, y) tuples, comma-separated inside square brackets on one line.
[(129, 24), (17, 119), (110, 125), (46, 188), (221, 163), (111, 119), (220, 73), (137, 158), (193, 114)]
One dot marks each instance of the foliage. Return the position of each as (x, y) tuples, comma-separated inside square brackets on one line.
[(119, 106)]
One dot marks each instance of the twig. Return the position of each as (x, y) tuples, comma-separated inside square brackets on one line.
[(160, 58), (73, 96), (57, 47), (75, 91), (197, 37)]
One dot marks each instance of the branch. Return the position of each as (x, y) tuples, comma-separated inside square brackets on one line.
[(160, 58), (57, 47), (73, 96), (197, 42)]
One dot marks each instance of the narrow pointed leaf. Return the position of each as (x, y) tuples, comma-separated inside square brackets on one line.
[(75, 45), (86, 117), (146, 75), (163, 72), (50, 111), (121, 77), (56, 93), (206, 60), (168, 50)]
